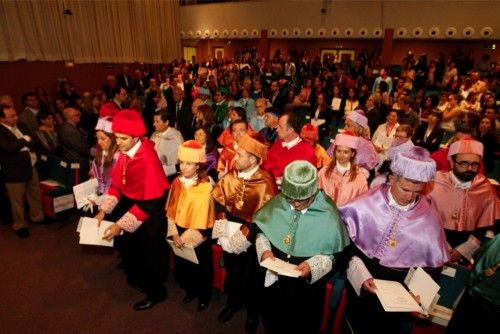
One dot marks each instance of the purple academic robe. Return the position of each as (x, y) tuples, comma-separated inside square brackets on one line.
[(420, 239)]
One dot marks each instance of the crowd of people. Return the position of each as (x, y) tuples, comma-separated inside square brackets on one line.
[(332, 165)]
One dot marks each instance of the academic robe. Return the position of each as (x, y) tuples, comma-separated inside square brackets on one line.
[(339, 187), (317, 236), (419, 242), (242, 283), (193, 208), (278, 156), (464, 211), (479, 307), (138, 192)]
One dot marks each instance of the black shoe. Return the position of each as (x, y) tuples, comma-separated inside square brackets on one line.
[(202, 306), (251, 324), (23, 233), (226, 314), (147, 303), (188, 298)]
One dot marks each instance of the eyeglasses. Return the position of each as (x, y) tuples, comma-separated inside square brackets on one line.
[(467, 164)]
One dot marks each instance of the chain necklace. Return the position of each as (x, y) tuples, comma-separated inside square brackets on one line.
[(124, 170), (394, 228), (289, 238), (240, 202)]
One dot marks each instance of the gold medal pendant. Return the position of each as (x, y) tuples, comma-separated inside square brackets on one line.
[(286, 240), (392, 242), (239, 204)]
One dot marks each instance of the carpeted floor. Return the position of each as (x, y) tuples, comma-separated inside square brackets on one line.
[(51, 284)]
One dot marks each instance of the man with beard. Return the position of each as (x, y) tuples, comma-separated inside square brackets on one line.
[(238, 195), (466, 201)]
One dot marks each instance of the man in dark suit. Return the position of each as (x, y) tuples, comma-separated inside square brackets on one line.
[(277, 99), (124, 79), (182, 116), (17, 158), (373, 115), (73, 142)]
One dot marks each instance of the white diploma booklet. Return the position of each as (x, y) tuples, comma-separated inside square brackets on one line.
[(469, 247), (83, 190), (421, 284), (186, 252), (394, 297), (281, 267), (90, 234)]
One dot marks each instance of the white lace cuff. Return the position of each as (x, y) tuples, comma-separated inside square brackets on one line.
[(129, 222), (219, 229), (320, 266), (224, 243), (172, 228), (109, 203), (357, 274), (239, 243), (262, 244)]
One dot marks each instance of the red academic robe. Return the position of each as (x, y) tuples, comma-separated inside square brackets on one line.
[(140, 178)]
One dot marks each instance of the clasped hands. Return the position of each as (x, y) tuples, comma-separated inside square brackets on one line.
[(110, 232), (304, 268)]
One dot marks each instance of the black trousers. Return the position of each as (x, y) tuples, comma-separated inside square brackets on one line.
[(291, 305), (244, 281), (196, 279), (145, 252)]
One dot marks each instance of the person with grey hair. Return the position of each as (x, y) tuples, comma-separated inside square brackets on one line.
[(73, 142), (393, 227)]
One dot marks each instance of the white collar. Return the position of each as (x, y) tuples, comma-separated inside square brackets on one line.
[(131, 153), (34, 111), (464, 185), (302, 211), (260, 116), (188, 183), (291, 143), (396, 205), (342, 170), (248, 174), (164, 133)]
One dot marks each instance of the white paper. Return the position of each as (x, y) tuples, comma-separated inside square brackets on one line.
[(422, 284), (317, 122), (281, 267), (62, 203), (79, 226), (394, 297), (83, 190), (91, 234), (449, 271), (186, 252), (469, 247)]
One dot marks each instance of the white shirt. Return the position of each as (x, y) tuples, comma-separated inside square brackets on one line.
[(291, 143), (131, 153)]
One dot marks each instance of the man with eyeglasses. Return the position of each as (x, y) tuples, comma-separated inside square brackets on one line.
[(301, 226), (466, 201)]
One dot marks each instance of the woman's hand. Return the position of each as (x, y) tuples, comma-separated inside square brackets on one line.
[(177, 241)]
